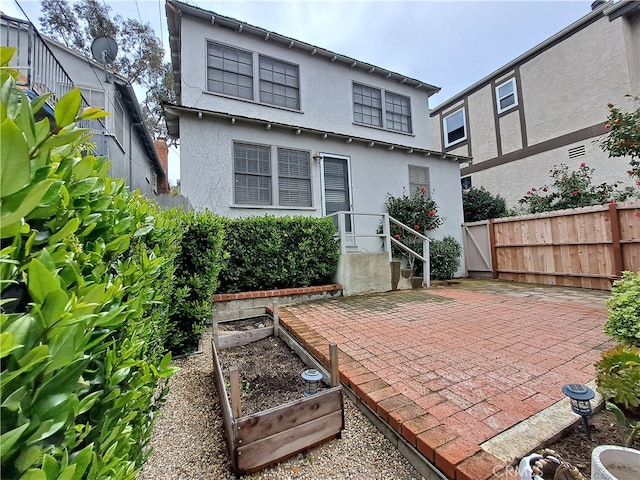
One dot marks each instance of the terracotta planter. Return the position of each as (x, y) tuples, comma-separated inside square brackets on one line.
[(416, 282), (405, 272)]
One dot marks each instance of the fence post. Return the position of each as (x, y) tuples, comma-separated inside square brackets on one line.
[(614, 221), (494, 250)]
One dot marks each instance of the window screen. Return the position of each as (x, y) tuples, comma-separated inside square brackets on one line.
[(252, 173), (229, 71), (294, 178)]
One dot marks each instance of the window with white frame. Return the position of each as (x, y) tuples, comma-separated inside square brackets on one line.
[(252, 174), (294, 178), (455, 129), (368, 108), (279, 83), (254, 181), (118, 122), (418, 179), (506, 95), (229, 71), (95, 98)]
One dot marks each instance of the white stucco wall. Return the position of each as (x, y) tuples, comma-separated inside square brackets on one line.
[(207, 173), (325, 87)]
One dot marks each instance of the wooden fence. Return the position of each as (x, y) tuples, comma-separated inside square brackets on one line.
[(585, 247)]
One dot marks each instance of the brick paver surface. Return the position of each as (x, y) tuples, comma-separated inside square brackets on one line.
[(451, 367)]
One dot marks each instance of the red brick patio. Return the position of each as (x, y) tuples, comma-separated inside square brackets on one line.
[(449, 368)]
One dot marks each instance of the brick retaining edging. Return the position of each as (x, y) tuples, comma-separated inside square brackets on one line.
[(245, 304)]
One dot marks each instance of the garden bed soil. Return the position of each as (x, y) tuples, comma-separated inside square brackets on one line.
[(269, 373), (574, 447)]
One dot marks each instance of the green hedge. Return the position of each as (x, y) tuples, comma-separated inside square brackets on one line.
[(269, 252), (198, 268), (444, 258), (86, 272), (623, 313)]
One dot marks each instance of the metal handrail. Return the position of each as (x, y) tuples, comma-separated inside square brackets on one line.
[(387, 239)]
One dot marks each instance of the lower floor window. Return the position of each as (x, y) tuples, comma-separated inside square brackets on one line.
[(254, 178)]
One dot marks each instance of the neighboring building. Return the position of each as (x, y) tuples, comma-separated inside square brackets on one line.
[(47, 66), (271, 125), (547, 107)]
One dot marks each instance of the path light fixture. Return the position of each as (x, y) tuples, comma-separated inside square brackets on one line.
[(311, 379), (580, 396)]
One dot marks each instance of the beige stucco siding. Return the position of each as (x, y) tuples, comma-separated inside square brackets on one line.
[(481, 124), (510, 131), (567, 87)]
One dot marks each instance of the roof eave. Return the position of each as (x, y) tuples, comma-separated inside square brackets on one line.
[(173, 112), (179, 8)]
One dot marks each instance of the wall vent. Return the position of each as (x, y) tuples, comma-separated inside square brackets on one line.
[(576, 152)]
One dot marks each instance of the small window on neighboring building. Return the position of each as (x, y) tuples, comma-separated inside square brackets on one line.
[(229, 71), (465, 182), (367, 105), (418, 179), (294, 178), (506, 95), (398, 112), (455, 130), (118, 122), (95, 98), (252, 174), (279, 83)]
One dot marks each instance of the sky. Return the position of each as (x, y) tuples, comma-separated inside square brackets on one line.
[(450, 44)]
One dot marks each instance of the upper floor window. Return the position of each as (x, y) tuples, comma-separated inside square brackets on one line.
[(367, 108), (229, 71), (506, 95), (279, 83), (95, 98), (418, 179), (454, 126), (254, 181), (398, 112), (244, 74)]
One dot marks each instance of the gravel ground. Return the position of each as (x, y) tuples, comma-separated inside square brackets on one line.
[(188, 440)]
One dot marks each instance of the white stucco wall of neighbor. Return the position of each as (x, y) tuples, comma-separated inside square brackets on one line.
[(325, 87), (207, 178)]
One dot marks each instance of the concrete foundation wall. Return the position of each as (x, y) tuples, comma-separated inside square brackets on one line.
[(364, 273)]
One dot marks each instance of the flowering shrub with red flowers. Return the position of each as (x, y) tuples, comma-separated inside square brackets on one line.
[(623, 136), (572, 189), (418, 211)]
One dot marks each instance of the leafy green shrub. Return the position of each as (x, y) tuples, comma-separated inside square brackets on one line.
[(86, 280), (198, 266), (619, 376), (444, 257), (573, 189), (623, 310), (479, 204), (269, 252)]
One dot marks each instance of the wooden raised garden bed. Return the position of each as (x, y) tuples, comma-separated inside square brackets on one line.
[(261, 439)]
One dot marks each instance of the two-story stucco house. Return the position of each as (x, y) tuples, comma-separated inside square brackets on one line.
[(547, 107), (272, 125), (47, 66)]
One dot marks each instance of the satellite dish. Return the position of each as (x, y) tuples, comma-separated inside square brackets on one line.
[(104, 49)]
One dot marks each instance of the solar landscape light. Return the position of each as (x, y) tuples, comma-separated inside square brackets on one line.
[(580, 396), (311, 379)]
